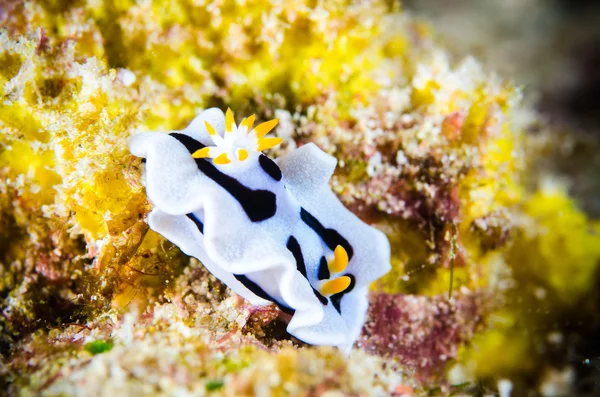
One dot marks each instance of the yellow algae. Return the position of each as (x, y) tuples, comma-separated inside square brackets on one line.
[(423, 96), (560, 246), (34, 162), (21, 123), (554, 244), (501, 350)]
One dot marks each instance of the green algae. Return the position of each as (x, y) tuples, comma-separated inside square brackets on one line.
[(213, 385), (98, 347)]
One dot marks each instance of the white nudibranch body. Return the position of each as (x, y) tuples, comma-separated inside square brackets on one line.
[(272, 231)]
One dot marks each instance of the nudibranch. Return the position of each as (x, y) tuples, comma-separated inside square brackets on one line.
[(273, 231)]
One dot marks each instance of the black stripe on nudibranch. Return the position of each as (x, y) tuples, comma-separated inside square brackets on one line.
[(320, 297), (258, 204), (295, 249), (330, 236), (190, 143), (270, 167), (196, 221), (258, 291), (323, 269), (336, 299)]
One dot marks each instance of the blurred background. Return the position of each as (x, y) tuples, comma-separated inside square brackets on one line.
[(552, 49)]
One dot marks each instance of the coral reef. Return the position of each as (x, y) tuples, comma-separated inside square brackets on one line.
[(491, 257), (422, 332)]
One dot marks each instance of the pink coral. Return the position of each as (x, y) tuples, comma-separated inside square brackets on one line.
[(424, 333)]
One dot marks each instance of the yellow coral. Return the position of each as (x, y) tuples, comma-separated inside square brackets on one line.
[(558, 244)]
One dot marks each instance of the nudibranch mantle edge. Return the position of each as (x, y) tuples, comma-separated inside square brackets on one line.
[(272, 231)]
